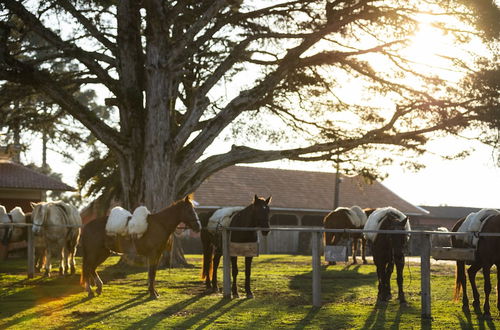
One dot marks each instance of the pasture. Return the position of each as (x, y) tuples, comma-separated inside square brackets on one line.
[(282, 288)]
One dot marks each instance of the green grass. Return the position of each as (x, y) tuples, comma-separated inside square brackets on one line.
[(282, 288)]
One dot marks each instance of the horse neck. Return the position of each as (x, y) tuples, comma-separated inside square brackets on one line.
[(169, 217), (243, 218)]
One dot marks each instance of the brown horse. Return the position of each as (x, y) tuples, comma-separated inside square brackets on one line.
[(97, 246), (342, 218), (485, 257), (254, 215), (388, 249)]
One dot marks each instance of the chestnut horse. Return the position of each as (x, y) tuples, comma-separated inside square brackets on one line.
[(97, 246), (254, 215), (388, 249), (485, 257), (342, 218)]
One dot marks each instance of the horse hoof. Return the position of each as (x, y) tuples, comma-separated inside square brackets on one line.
[(365, 262), (250, 295), (487, 316), (354, 262), (403, 303), (332, 263), (236, 295), (90, 295)]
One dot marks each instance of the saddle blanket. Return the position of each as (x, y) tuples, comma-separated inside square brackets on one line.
[(375, 219), (356, 215), (474, 223), (222, 218), (122, 222)]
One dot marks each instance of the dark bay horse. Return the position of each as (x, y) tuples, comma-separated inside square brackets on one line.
[(487, 254), (388, 249), (347, 218), (97, 246), (254, 215)]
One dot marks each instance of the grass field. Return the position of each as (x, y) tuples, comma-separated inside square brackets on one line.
[(282, 288)]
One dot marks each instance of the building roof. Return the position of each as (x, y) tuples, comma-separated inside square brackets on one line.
[(17, 176), (295, 190), (449, 212)]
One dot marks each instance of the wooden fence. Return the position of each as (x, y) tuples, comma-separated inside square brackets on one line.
[(317, 235)]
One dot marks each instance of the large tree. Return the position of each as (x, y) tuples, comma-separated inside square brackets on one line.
[(177, 75)]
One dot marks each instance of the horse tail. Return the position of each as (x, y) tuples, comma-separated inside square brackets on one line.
[(85, 271), (459, 278), (208, 255)]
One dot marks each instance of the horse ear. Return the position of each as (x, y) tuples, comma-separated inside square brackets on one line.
[(405, 220), (32, 205), (187, 199), (255, 198), (269, 200)]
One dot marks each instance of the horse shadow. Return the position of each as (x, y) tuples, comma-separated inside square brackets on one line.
[(378, 317), (483, 323)]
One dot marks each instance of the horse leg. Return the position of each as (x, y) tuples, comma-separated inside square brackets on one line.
[(354, 250), (388, 274), (472, 271), (363, 251), (63, 269), (248, 273), (234, 271), (48, 262), (400, 265), (98, 282), (487, 291), (153, 264), (216, 261), (381, 279)]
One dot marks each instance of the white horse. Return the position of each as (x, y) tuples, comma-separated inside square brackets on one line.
[(59, 225)]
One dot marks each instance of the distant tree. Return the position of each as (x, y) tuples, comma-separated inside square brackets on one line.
[(179, 75)]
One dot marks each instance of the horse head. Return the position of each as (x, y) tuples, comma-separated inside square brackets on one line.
[(38, 216), (260, 213), (189, 215), (398, 241)]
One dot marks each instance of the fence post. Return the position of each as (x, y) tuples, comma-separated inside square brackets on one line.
[(226, 264), (425, 273), (316, 269), (31, 252)]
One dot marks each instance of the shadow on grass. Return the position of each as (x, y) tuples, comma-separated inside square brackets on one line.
[(308, 318), (335, 283), (466, 322), (89, 318)]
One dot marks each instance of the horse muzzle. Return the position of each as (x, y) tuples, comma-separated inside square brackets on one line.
[(37, 229)]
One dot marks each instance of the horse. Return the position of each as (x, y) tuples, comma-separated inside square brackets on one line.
[(58, 224), (347, 218), (486, 256), (388, 249), (254, 215), (97, 245), (18, 234)]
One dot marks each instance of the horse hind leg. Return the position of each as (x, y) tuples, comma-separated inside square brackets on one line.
[(354, 250), (363, 251), (215, 265), (487, 291), (472, 271)]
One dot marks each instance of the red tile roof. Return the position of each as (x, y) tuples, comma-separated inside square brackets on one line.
[(304, 190), (17, 176)]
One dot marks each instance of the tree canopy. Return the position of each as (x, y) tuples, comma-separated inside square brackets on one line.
[(303, 80)]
